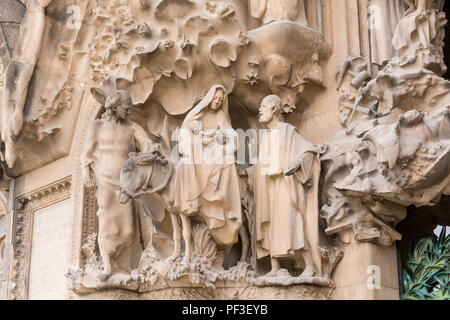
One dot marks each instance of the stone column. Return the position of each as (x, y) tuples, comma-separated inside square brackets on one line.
[(367, 271)]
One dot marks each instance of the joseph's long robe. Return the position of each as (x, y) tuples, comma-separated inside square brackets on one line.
[(282, 202)]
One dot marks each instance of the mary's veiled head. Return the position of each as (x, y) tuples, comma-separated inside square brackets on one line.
[(217, 100)]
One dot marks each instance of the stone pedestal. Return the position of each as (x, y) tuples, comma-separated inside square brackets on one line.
[(367, 272)]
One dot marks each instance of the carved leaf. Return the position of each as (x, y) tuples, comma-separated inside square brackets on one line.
[(386, 140), (172, 9), (183, 68), (203, 243), (222, 53), (197, 25)]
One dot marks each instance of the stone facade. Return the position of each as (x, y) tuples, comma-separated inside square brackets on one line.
[(219, 149)]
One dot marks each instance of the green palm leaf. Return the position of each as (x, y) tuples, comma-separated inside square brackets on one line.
[(427, 276)]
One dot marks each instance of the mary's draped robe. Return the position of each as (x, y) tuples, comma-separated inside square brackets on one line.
[(205, 184)]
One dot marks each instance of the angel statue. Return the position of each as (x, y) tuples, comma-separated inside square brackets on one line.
[(108, 144)]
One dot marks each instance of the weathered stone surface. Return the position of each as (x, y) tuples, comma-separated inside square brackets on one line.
[(224, 150), (11, 15)]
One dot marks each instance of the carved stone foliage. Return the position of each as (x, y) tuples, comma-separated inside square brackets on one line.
[(395, 151), (350, 77), (296, 292), (164, 52), (203, 278), (166, 44), (89, 248), (25, 207)]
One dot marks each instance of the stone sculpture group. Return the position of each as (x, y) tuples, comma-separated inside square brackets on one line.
[(205, 190), (168, 199), (210, 206)]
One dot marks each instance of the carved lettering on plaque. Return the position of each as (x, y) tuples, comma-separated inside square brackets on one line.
[(49, 252)]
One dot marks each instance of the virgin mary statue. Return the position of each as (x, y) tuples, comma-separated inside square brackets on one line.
[(207, 181)]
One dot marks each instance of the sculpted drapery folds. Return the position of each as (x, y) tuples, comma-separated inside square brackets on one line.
[(166, 55), (384, 18), (286, 208), (108, 143), (274, 10), (207, 182), (418, 28)]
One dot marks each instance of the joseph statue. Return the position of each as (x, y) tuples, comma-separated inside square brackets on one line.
[(286, 194)]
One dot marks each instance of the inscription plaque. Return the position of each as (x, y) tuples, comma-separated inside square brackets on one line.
[(49, 252)]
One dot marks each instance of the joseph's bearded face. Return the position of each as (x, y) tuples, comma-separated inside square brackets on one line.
[(123, 110), (217, 101), (266, 112)]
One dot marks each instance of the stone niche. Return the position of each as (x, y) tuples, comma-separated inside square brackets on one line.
[(331, 126)]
